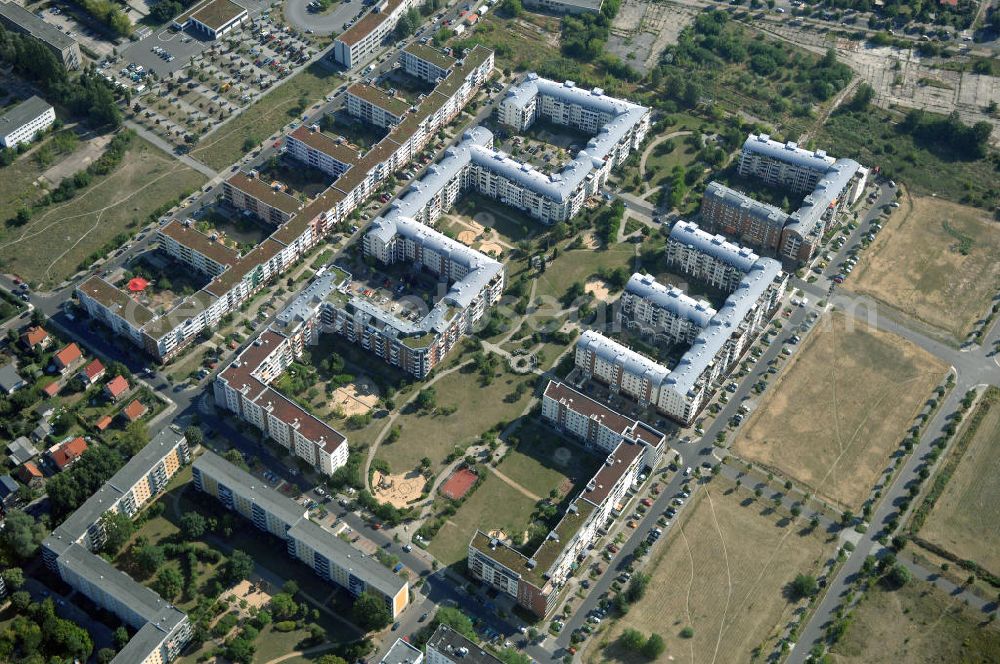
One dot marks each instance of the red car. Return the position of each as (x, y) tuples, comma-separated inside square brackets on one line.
[(839, 279), (647, 502)]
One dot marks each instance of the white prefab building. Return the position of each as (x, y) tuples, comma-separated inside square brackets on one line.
[(21, 123)]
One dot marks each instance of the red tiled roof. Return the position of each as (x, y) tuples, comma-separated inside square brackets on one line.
[(34, 335), (29, 471), (94, 369), (117, 386), (103, 423), (51, 389), (68, 452), (68, 355), (134, 410)]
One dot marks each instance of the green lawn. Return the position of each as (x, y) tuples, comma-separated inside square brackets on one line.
[(662, 161), (266, 116), (51, 246), (494, 506), (513, 226), (579, 264), (543, 461), (479, 408)]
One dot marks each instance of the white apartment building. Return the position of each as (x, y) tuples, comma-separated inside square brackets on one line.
[(162, 630), (21, 123), (242, 388), (663, 312), (374, 106), (330, 557), (425, 62), (708, 258), (164, 335), (833, 185), (365, 37), (333, 156), (446, 646), (205, 253), (681, 392)]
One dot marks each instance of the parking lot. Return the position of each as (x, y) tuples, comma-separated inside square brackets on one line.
[(91, 38), (183, 88)]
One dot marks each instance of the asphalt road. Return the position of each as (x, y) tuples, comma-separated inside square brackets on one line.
[(298, 14)]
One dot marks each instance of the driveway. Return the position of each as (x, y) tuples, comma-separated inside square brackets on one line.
[(297, 13)]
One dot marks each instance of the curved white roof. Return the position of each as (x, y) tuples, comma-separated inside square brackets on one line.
[(716, 246), (788, 152), (631, 361), (670, 298)]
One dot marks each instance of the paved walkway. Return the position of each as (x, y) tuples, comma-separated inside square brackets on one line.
[(187, 160), (315, 650)]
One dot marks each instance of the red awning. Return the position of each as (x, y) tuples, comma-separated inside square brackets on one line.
[(137, 285)]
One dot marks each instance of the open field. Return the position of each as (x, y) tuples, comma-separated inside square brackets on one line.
[(544, 461), (578, 265), (145, 180), (964, 518), (917, 624), (721, 571), (871, 137), (478, 409), (266, 116), (917, 264), (842, 406), (494, 506)]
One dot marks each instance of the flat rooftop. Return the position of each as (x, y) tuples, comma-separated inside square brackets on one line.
[(377, 97), (23, 113), (215, 14), (430, 54), (276, 198), (336, 148), (195, 240), (35, 26), (368, 23)]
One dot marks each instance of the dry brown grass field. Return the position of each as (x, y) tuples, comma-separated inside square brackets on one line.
[(936, 261), (917, 624), (964, 520), (839, 409), (722, 571)]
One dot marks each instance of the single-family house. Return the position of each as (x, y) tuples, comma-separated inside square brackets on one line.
[(92, 373), (68, 452), (45, 409), (51, 390), (10, 380), (67, 357), (8, 489), (116, 387), (21, 450), (42, 431), (30, 474), (103, 423), (35, 337), (134, 410)]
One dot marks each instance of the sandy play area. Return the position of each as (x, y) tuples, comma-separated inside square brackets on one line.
[(398, 490), (599, 289), (491, 248), (467, 237), (355, 398)]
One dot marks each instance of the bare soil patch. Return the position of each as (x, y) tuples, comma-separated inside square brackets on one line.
[(839, 410), (936, 261), (598, 288), (398, 490), (355, 398)]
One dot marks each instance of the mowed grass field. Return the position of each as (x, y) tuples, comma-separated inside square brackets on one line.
[(722, 571), (837, 412), (478, 409), (265, 116), (50, 247), (917, 264), (917, 624), (542, 462), (964, 519), (494, 506), (577, 265)]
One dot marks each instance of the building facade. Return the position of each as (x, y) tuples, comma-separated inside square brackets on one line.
[(70, 551), (332, 559), (831, 185), (21, 123), (664, 313), (535, 580), (365, 37), (16, 18)]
